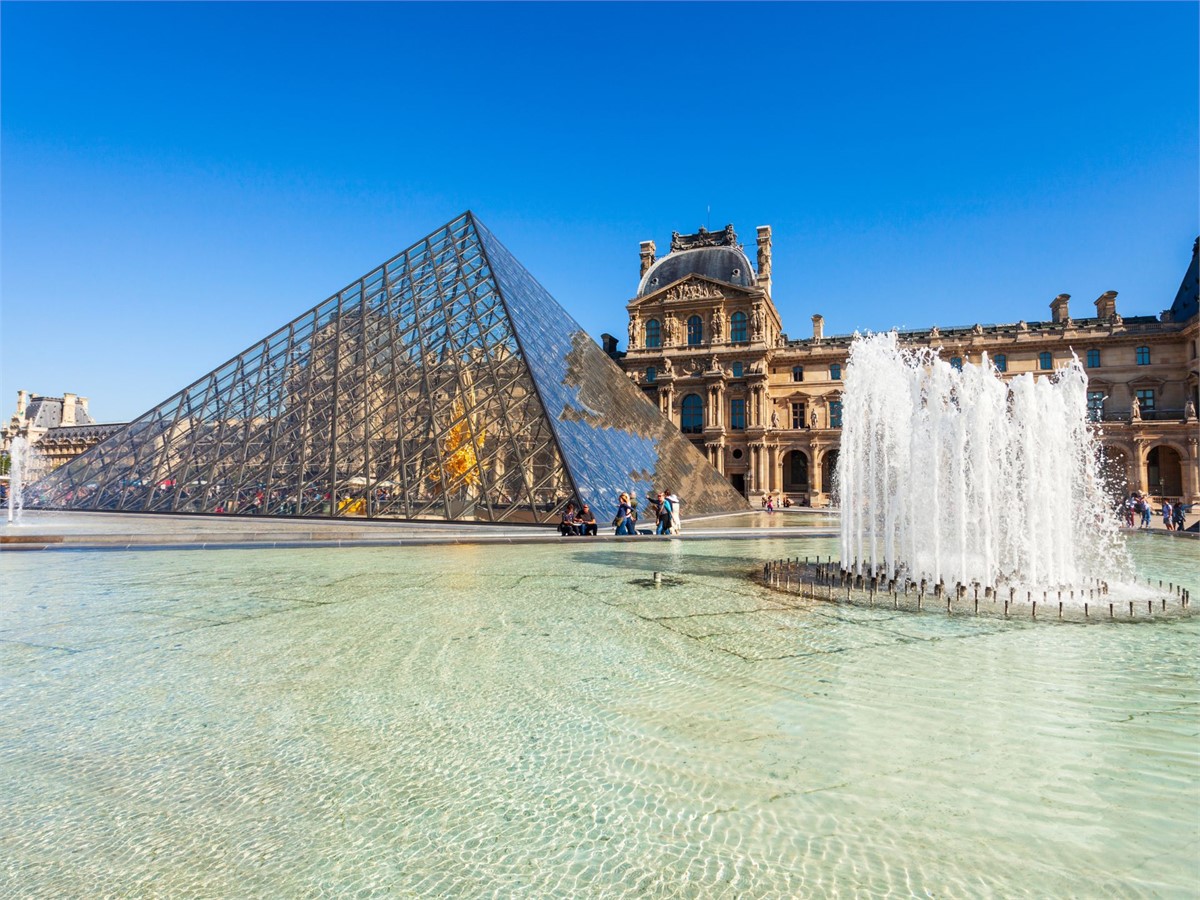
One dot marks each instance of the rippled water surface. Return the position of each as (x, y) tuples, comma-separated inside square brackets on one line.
[(543, 721)]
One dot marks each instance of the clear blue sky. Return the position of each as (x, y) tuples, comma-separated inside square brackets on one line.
[(180, 179)]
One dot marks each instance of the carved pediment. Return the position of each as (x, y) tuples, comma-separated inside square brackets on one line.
[(693, 288)]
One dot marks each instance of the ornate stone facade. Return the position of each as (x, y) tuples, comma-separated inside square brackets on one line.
[(707, 343), (58, 428)]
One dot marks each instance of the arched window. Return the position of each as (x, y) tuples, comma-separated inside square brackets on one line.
[(1143, 356), (1001, 362), (829, 472), (691, 419), (1093, 359), (835, 372), (653, 333), (695, 331), (797, 373), (1045, 361), (651, 374), (737, 328), (796, 472)]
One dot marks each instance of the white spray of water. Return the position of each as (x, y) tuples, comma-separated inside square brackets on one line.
[(18, 452), (958, 475)]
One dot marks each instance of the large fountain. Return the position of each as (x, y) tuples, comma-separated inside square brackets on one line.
[(958, 484), (25, 467)]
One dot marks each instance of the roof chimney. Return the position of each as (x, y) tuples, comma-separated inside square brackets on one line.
[(764, 258), (647, 256), (1106, 305), (1058, 308), (68, 410), (818, 327)]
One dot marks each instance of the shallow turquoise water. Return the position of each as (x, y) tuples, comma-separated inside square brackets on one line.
[(542, 721)]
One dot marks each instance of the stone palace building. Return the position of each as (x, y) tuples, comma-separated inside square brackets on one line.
[(706, 344), (58, 428)]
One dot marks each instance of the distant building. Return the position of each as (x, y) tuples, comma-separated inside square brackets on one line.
[(58, 428), (706, 343)]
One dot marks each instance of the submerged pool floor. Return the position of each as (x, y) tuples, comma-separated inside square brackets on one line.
[(543, 721)]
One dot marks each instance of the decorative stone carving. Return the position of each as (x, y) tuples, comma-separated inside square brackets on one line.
[(1135, 411), (691, 290), (774, 418), (703, 238), (764, 252), (667, 368), (633, 332), (756, 323), (715, 325)]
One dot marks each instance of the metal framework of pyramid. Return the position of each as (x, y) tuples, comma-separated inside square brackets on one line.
[(444, 384)]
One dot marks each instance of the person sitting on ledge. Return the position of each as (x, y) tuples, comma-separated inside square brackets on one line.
[(586, 522), (568, 527)]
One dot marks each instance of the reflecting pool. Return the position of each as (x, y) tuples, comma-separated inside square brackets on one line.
[(543, 721)]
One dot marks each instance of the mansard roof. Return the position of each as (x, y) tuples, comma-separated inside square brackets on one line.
[(715, 255)]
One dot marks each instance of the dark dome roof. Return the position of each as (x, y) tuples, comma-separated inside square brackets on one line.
[(728, 264)]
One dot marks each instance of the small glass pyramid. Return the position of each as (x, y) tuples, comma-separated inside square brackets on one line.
[(445, 384)]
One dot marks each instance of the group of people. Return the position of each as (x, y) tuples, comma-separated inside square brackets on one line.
[(662, 506), (576, 523), (1138, 510)]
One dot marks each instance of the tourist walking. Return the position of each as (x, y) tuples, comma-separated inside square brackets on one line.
[(676, 514), (663, 505), (624, 518), (1179, 516), (1168, 522)]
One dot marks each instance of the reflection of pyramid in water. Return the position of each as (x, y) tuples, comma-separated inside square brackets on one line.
[(447, 384)]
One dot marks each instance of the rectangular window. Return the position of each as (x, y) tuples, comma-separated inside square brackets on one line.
[(956, 362), (797, 373), (1145, 400), (737, 370), (1095, 405), (835, 413), (1045, 361), (798, 415), (1093, 359), (737, 414), (1143, 356), (1001, 362), (651, 374)]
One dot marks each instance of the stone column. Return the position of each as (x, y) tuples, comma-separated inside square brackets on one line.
[(774, 480), (1191, 487), (814, 471), (1139, 465)]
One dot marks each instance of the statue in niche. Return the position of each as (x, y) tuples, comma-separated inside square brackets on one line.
[(756, 322), (714, 365), (813, 419), (667, 370), (774, 418), (1135, 410), (715, 325), (669, 329), (633, 330), (1189, 410)]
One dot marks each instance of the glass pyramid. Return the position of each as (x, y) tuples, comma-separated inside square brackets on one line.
[(444, 384)]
